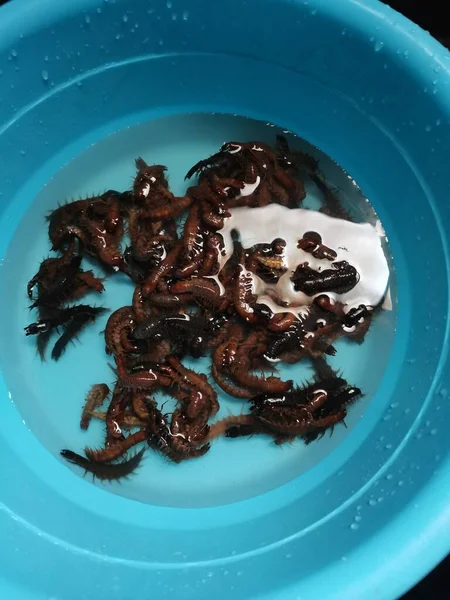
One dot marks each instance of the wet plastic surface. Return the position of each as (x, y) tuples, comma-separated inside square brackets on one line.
[(341, 75)]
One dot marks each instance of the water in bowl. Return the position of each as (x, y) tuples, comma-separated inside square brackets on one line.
[(50, 395)]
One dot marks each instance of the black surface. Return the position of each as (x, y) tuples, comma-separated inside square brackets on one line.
[(429, 14), (432, 16)]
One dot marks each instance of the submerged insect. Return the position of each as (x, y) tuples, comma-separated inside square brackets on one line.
[(192, 296), (95, 398), (105, 471), (186, 333), (149, 180), (79, 317), (95, 222), (54, 318), (357, 315), (306, 412), (341, 278), (60, 283), (312, 243), (72, 319)]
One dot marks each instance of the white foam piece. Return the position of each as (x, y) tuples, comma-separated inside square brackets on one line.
[(357, 243)]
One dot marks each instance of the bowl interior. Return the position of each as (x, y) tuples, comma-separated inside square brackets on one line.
[(51, 396), (85, 72)]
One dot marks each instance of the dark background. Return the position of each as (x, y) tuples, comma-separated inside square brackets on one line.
[(430, 15)]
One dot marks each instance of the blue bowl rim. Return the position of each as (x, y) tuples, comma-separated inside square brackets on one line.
[(419, 538)]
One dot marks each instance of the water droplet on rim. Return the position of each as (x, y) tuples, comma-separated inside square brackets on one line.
[(185, 15), (87, 19), (125, 18), (44, 75), (378, 46)]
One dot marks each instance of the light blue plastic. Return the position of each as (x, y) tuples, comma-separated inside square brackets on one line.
[(372, 91)]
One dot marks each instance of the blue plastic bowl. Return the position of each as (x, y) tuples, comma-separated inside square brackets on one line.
[(371, 90)]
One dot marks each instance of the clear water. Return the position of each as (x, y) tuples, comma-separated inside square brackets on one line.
[(50, 395)]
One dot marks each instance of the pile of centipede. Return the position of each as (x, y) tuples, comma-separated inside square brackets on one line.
[(184, 302)]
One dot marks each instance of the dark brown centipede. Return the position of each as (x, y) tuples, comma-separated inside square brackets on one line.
[(211, 255), (118, 329), (118, 448), (229, 386), (81, 315), (281, 322), (220, 428), (243, 296), (191, 268), (127, 421), (161, 270), (94, 399), (203, 290), (192, 237), (102, 471)]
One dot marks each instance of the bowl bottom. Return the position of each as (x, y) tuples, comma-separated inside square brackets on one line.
[(50, 395)]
